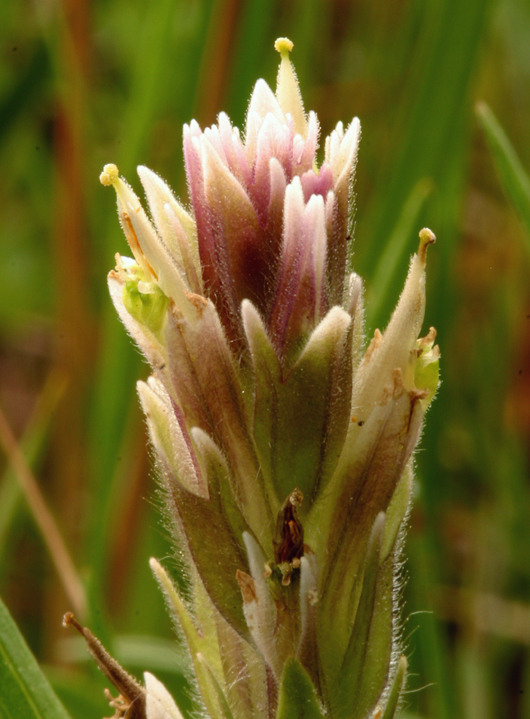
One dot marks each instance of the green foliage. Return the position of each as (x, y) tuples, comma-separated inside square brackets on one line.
[(25, 690), (515, 180)]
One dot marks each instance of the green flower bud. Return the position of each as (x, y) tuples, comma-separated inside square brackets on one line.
[(427, 371), (146, 303)]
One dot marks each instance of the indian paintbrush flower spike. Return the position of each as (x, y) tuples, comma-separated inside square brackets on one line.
[(284, 449)]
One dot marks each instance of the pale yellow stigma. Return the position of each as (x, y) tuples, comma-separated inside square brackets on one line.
[(283, 45), (427, 237), (287, 90), (109, 176)]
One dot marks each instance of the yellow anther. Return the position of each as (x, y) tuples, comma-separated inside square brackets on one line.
[(427, 237), (283, 45), (109, 176)]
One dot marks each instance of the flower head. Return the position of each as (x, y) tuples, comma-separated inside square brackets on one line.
[(284, 451), (268, 224)]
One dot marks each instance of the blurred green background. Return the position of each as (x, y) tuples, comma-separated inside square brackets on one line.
[(85, 83)]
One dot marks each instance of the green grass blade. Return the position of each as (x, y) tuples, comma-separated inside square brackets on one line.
[(33, 445), (433, 118), (25, 692), (253, 43), (514, 179)]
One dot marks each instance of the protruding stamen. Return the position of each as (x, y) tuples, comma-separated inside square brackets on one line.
[(128, 203), (427, 237), (287, 89)]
